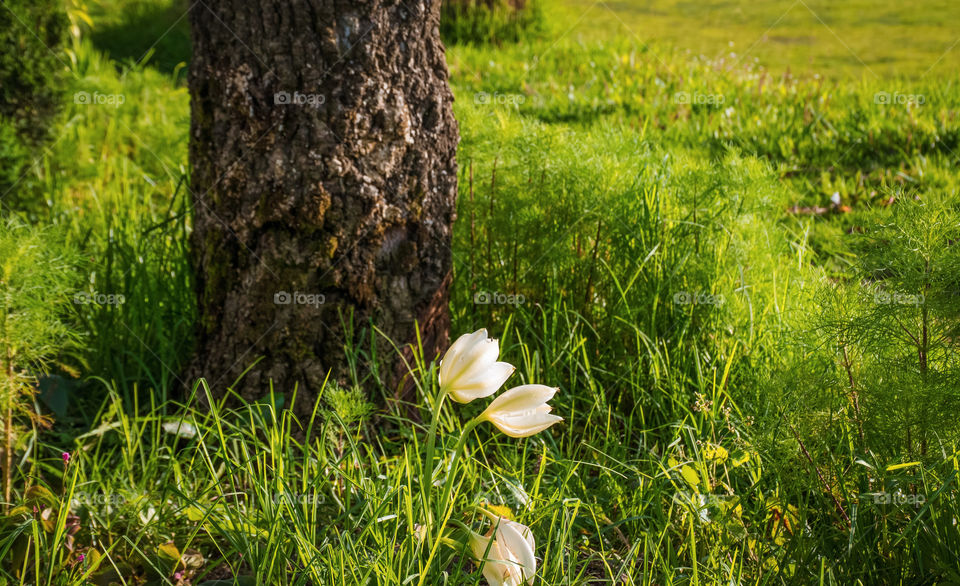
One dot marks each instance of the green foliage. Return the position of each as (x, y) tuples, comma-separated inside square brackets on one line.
[(37, 277), (37, 284), (657, 255), (858, 139), (117, 187), (31, 32), (349, 405), (887, 337), (140, 32), (13, 156), (491, 21)]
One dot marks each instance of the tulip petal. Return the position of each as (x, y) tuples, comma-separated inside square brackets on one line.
[(483, 384), (525, 428), (476, 359), (513, 541), (528, 535), (525, 531), (495, 573), (457, 350), (507, 554), (522, 411), (490, 554), (478, 544), (521, 399)]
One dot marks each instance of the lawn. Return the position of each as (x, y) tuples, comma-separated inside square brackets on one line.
[(743, 283), (849, 39)]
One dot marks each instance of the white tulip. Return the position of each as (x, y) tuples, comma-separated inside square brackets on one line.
[(469, 370), (522, 411), (506, 553)]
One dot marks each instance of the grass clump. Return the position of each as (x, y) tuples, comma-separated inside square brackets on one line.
[(482, 22)]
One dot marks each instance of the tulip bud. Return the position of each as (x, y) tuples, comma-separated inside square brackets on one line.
[(522, 411), (469, 370)]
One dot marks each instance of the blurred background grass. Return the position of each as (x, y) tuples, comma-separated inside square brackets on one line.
[(849, 39)]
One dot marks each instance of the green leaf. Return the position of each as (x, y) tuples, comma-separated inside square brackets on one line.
[(39, 495), (168, 552), (904, 465), (690, 475)]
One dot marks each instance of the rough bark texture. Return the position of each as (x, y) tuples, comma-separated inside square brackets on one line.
[(323, 150)]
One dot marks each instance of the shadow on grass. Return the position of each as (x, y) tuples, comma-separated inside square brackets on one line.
[(157, 33)]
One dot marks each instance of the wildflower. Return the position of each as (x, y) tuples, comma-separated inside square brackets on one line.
[(66, 458), (522, 411), (506, 553), (469, 370)]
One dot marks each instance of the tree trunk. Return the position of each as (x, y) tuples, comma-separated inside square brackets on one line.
[(324, 178)]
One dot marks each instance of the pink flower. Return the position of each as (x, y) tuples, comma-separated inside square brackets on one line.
[(80, 557), (66, 457)]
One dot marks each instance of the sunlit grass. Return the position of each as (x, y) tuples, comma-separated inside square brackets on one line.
[(849, 40), (640, 253)]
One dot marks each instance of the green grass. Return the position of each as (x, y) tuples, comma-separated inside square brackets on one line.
[(851, 40), (739, 407)]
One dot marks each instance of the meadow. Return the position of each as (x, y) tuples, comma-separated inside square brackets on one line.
[(840, 40), (741, 274)]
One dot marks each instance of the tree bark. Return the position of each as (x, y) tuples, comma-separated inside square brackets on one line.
[(322, 150)]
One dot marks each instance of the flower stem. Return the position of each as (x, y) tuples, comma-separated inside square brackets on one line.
[(428, 465), (453, 543), (461, 525), (454, 464)]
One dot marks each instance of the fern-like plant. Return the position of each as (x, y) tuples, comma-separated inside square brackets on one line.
[(37, 282)]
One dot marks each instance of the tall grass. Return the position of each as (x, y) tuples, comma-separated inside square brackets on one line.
[(484, 22), (117, 183)]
